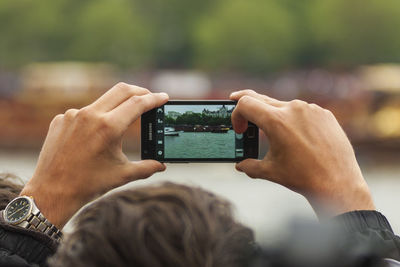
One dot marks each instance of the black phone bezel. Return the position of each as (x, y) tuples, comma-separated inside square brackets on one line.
[(148, 131)]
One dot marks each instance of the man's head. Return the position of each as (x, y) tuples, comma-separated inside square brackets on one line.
[(166, 225)]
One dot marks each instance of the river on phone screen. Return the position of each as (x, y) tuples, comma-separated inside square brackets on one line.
[(200, 145)]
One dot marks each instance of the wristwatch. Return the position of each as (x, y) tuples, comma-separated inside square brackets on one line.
[(23, 212)]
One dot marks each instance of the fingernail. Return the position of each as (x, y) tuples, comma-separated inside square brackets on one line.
[(238, 168), (233, 94), (163, 94), (164, 167)]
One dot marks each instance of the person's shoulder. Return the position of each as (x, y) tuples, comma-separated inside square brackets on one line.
[(361, 220), (23, 247), (391, 263)]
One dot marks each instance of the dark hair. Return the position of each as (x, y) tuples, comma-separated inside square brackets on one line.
[(165, 225), (10, 188)]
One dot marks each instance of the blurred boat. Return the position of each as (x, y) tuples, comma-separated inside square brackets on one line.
[(220, 130), (169, 131)]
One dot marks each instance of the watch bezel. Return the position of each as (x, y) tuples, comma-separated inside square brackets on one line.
[(24, 217)]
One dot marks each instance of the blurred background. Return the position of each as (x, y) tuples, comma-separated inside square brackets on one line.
[(342, 55)]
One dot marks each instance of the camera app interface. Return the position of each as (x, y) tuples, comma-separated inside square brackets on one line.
[(197, 132)]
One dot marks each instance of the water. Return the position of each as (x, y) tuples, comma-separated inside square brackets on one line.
[(200, 145)]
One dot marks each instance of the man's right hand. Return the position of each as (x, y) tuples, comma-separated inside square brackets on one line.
[(309, 152), (82, 155)]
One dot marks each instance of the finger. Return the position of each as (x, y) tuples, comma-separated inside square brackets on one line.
[(136, 170), (117, 95), (126, 113), (269, 100), (254, 110), (70, 114), (255, 168)]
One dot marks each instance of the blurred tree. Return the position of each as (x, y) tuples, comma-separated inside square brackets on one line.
[(356, 32), (169, 120), (173, 22), (88, 30), (27, 30), (307, 53), (112, 31), (253, 36)]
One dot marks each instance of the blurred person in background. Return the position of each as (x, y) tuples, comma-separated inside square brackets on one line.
[(82, 158)]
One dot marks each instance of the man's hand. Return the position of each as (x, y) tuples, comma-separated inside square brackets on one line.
[(309, 152), (82, 156)]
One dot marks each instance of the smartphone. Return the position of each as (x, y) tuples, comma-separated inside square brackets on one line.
[(195, 131)]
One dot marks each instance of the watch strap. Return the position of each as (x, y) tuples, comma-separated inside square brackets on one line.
[(39, 223)]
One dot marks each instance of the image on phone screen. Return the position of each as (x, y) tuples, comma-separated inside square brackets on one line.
[(200, 132), (181, 130)]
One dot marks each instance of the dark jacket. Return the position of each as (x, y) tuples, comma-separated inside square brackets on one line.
[(353, 239), (21, 247), (359, 238)]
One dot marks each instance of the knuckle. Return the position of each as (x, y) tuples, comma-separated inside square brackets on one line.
[(298, 104), (140, 101), (249, 91), (147, 91), (70, 113), (105, 126), (131, 89), (83, 115), (57, 119), (104, 122), (315, 107), (244, 100), (328, 112), (123, 86), (136, 99)]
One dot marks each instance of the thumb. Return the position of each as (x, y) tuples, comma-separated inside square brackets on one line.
[(143, 169), (255, 168)]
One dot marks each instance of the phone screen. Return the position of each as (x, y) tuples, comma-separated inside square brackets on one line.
[(195, 131)]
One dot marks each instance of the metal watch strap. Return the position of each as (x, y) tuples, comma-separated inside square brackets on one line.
[(36, 221)]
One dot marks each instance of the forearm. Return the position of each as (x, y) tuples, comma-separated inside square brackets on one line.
[(329, 201)]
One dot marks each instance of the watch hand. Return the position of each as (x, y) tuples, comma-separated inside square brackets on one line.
[(16, 211)]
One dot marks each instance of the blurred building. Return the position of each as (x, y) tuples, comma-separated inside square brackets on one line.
[(182, 84), (220, 113), (384, 81), (53, 84), (173, 114), (366, 101), (45, 90)]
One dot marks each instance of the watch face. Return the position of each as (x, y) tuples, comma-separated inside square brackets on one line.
[(17, 210)]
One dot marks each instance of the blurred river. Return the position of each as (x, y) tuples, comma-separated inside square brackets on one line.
[(266, 207)]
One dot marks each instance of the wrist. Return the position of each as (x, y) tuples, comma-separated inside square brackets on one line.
[(53, 206), (334, 201)]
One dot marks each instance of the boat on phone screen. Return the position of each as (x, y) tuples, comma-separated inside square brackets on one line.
[(170, 131)]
